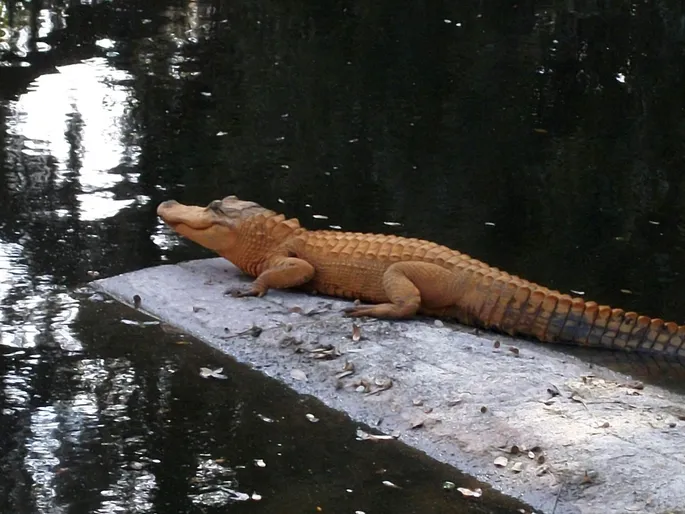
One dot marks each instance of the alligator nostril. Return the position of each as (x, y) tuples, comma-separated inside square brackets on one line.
[(166, 205)]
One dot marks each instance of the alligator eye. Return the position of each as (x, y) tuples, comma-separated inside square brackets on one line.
[(215, 206)]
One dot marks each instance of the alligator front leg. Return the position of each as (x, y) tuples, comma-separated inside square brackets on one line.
[(280, 273), (409, 286)]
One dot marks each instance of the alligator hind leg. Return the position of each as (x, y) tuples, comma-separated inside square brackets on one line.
[(409, 286)]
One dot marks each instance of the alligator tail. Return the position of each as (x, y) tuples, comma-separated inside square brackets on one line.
[(516, 306)]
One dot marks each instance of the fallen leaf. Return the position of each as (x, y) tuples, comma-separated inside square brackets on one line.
[(388, 483), (299, 375), (634, 384), (417, 422), (501, 462), (356, 333), (312, 418)]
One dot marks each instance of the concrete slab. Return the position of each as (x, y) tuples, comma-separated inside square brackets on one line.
[(570, 437)]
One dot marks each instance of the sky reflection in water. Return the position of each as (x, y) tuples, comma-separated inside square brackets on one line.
[(86, 101)]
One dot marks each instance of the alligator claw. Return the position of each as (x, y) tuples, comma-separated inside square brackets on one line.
[(356, 312), (240, 293)]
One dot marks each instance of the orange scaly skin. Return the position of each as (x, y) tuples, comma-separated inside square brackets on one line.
[(403, 277)]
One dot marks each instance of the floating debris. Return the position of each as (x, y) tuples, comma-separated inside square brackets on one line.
[(490, 224), (212, 373), (388, 483), (311, 418), (392, 223), (221, 133), (259, 463), (579, 293), (366, 436), (319, 216), (475, 493)]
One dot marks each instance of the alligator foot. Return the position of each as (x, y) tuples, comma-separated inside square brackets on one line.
[(242, 293)]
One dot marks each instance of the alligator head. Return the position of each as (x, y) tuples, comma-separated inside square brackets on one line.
[(214, 226)]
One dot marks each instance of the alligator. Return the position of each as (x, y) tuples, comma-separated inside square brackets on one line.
[(402, 277)]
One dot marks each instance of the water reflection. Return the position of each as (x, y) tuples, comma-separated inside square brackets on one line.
[(76, 121)]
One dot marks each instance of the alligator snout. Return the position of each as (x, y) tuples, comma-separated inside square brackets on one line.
[(164, 207)]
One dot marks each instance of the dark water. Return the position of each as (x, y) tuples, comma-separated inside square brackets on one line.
[(543, 138)]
